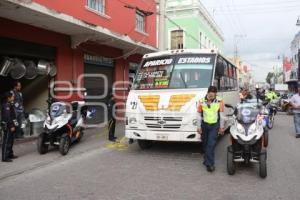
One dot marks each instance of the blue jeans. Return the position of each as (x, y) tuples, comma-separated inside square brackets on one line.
[(297, 123), (209, 140)]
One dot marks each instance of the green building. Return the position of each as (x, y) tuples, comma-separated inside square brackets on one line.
[(189, 25)]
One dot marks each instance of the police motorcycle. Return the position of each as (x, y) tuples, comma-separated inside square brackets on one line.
[(63, 126), (248, 137)]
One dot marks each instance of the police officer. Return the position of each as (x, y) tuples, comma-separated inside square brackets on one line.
[(111, 116), (271, 95), (9, 124), (210, 123), (18, 102), (245, 95)]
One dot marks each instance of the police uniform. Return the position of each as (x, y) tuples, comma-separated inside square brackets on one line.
[(210, 119), (18, 102), (111, 116), (271, 95), (8, 121)]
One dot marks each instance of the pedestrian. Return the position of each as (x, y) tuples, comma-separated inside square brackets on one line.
[(245, 95), (210, 124), (9, 124), (295, 102), (18, 102), (111, 116)]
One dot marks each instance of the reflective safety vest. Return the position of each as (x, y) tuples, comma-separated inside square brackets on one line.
[(271, 95), (210, 112)]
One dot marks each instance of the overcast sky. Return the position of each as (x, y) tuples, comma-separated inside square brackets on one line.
[(263, 29)]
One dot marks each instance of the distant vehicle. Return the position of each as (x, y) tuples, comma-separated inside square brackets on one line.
[(162, 104), (281, 88)]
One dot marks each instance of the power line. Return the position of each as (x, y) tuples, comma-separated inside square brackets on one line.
[(239, 18), (261, 10), (229, 20), (264, 4)]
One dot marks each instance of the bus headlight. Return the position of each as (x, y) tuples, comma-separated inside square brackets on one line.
[(195, 122), (132, 120)]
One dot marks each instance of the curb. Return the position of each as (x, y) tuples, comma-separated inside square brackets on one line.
[(25, 140)]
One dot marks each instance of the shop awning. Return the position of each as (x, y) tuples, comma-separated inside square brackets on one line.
[(28, 12)]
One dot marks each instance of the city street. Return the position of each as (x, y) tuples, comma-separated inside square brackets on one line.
[(97, 169)]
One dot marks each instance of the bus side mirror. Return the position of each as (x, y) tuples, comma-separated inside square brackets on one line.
[(220, 69)]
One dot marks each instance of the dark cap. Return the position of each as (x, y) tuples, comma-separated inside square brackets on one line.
[(212, 89), (8, 94)]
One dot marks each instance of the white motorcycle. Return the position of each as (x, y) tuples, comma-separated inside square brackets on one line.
[(63, 126), (248, 137)]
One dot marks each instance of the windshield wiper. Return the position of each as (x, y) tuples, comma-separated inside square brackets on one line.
[(185, 85)]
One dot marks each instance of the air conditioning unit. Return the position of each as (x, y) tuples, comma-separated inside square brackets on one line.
[(31, 69), (18, 69), (43, 67)]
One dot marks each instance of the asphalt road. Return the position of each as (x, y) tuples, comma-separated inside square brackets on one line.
[(97, 169)]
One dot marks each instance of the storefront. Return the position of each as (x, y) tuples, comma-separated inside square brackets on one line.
[(30, 64), (75, 47)]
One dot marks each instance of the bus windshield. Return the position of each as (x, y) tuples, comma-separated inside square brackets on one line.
[(175, 72)]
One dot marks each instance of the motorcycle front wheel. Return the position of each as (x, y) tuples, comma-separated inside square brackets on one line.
[(271, 122), (64, 144), (41, 146)]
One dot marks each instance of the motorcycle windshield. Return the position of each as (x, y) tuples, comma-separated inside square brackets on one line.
[(57, 110), (247, 112)]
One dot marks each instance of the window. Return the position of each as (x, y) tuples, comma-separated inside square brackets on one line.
[(228, 82), (177, 39), (175, 72), (97, 5), (140, 22)]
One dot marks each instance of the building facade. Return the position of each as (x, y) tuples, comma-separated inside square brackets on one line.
[(103, 38), (292, 72), (189, 25)]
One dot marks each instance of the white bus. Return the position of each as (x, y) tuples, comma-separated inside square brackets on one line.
[(162, 103)]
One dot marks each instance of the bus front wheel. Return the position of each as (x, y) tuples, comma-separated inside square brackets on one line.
[(145, 144)]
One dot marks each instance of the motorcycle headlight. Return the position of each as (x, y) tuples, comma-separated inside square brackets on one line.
[(132, 120), (240, 129), (252, 129), (260, 120)]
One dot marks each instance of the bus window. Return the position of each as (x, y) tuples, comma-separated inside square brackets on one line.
[(154, 74), (192, 71)]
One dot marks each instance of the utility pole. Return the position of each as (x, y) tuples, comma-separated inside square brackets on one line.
[(161, 26), (235, 51)]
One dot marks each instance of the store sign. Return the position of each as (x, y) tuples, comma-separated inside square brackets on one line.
[(158, 62), (98, 60), (195, 60)]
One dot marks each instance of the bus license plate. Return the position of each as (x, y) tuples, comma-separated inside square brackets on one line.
[(162, 137)]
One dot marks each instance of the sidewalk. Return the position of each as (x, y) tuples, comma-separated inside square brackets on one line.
[(30, 159), (120, 127)]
